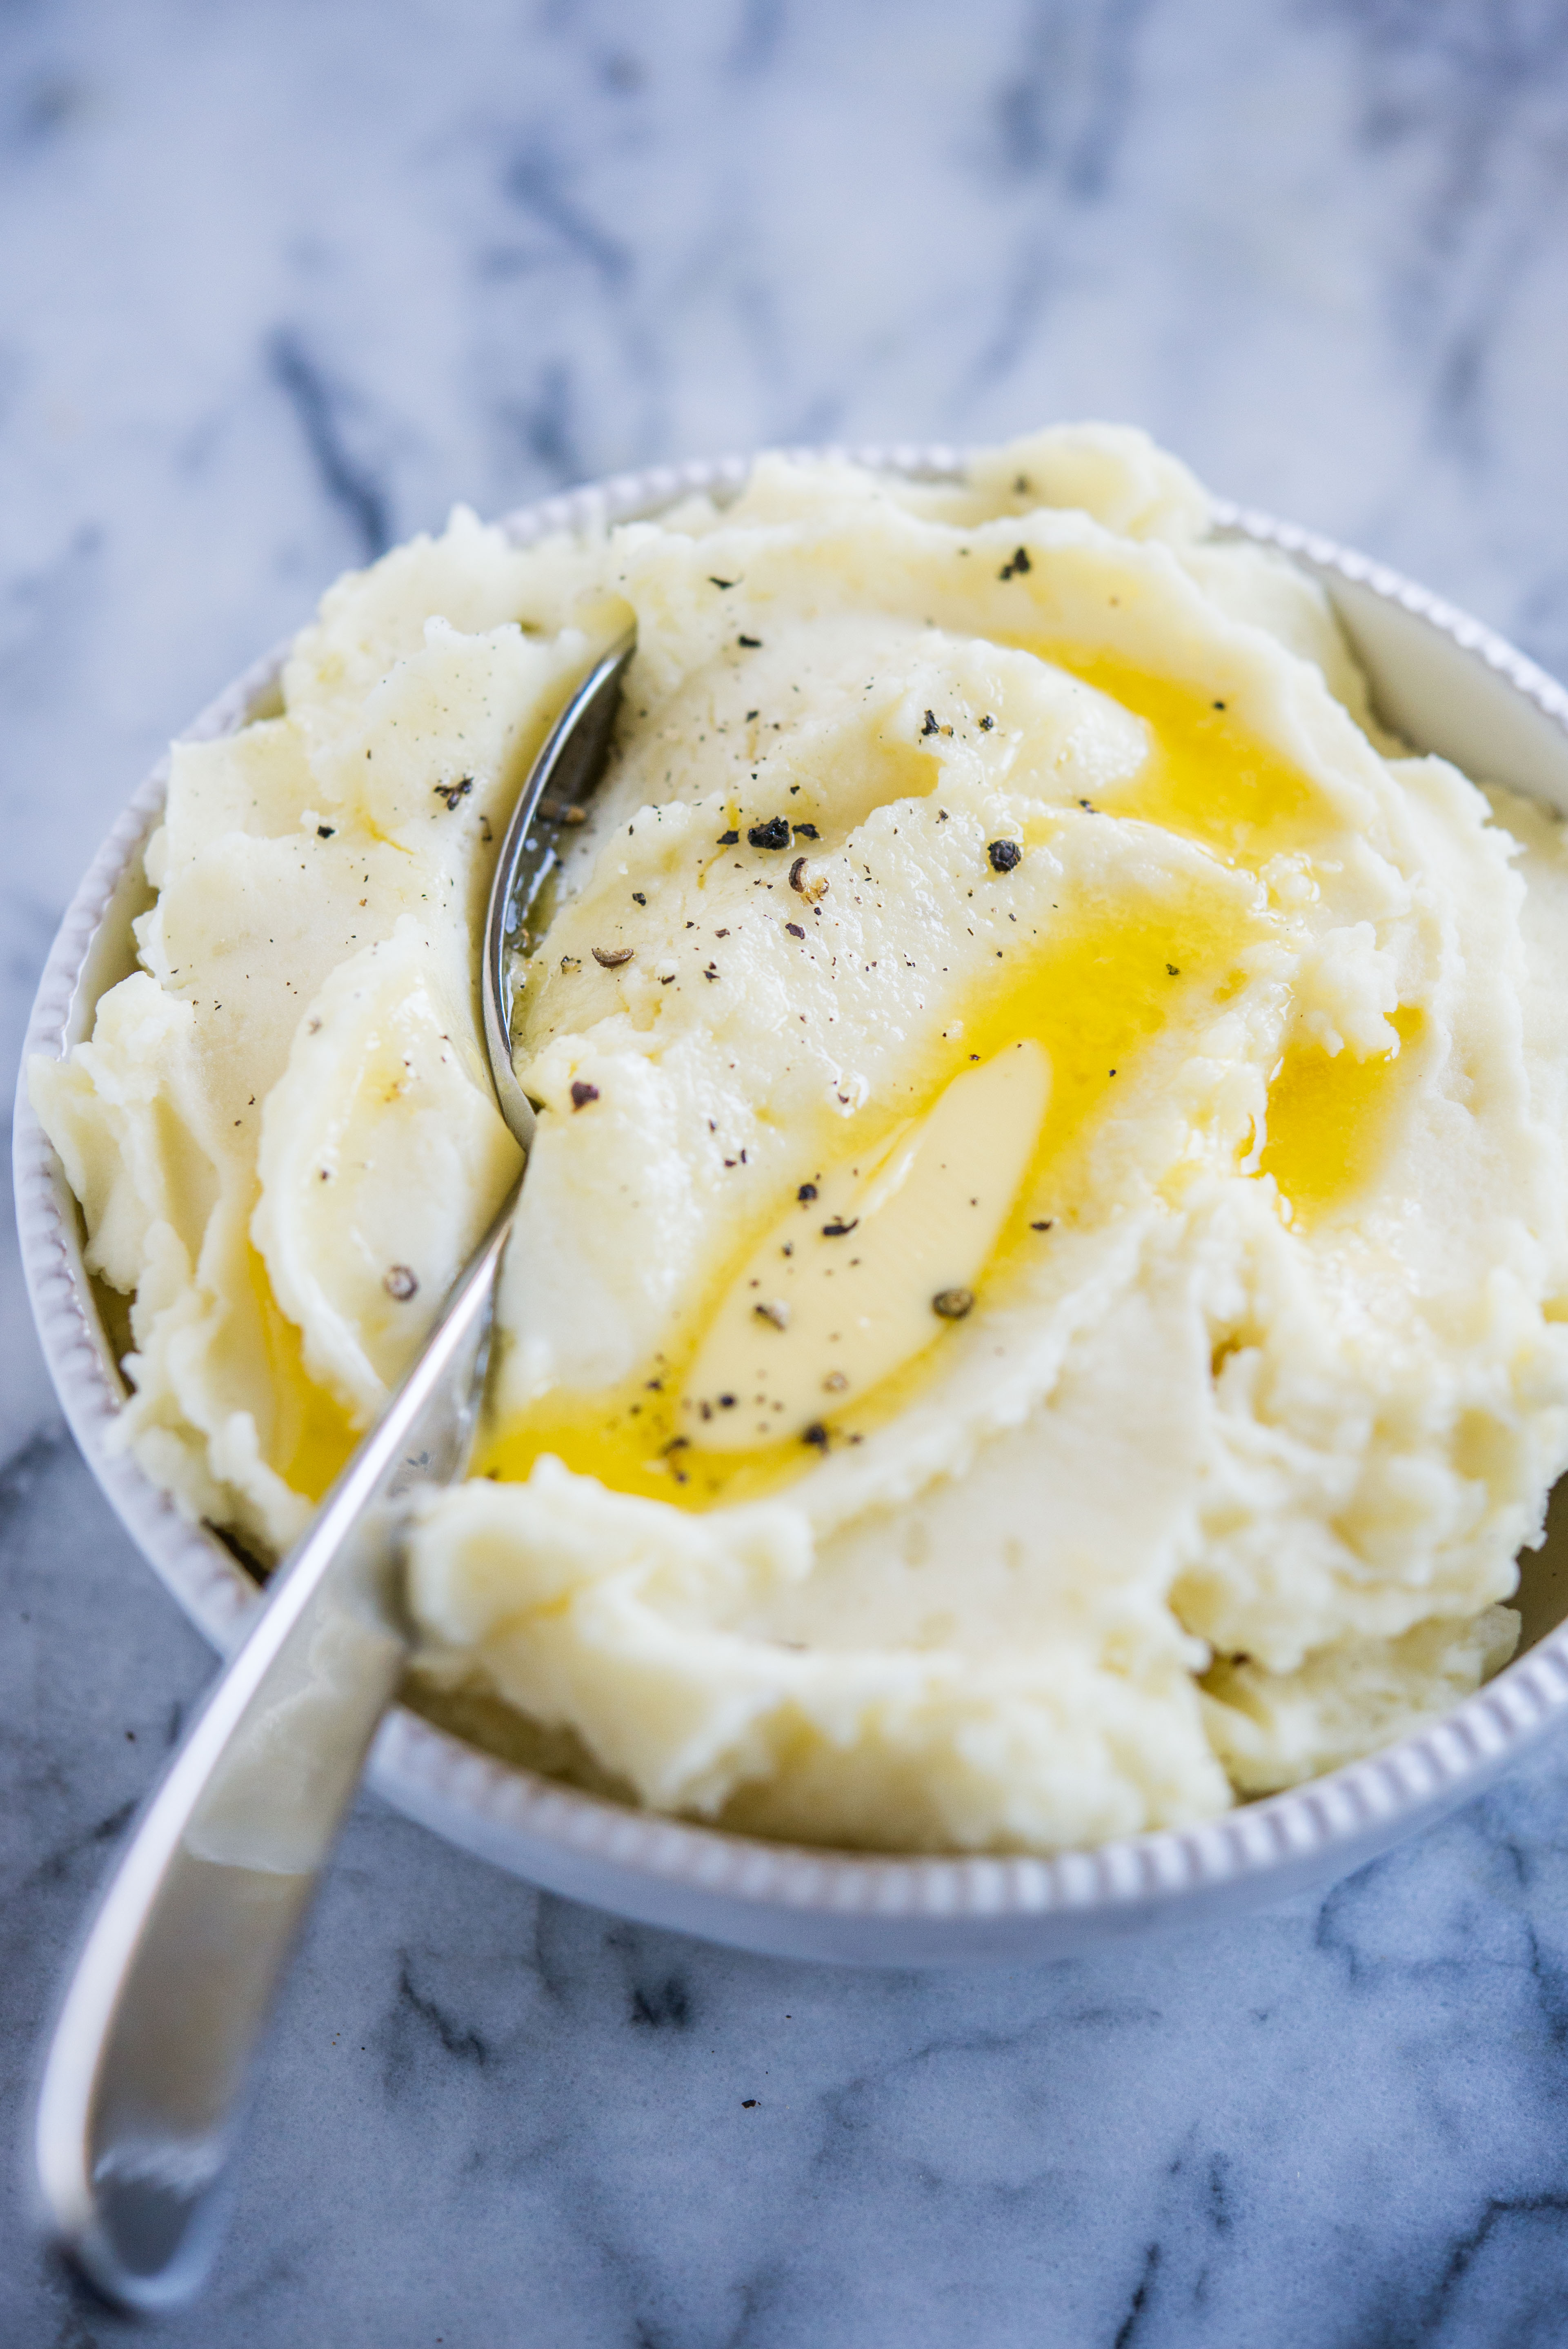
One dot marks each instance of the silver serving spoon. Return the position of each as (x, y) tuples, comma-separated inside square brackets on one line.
[(146, 2069)]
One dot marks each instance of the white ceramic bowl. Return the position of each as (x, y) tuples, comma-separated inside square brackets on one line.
[(1440, 679)]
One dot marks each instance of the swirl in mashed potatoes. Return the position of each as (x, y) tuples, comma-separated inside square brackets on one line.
[(1038, 1302)]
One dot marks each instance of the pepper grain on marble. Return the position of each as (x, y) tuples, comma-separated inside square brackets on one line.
[(277, 286)]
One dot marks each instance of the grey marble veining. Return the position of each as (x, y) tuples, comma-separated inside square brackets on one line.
[(279, 284)]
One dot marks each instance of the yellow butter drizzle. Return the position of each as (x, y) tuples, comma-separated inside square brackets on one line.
[(311, 1436), (1327, 1119), (1208, 777)]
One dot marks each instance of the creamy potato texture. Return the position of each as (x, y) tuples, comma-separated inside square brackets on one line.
[(1037, 1301)]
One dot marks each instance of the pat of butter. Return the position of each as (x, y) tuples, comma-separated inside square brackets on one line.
[(843, 1290)]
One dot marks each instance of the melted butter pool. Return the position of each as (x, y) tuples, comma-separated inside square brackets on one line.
[(1328, 1118), (1207, 777), (312, 1436)]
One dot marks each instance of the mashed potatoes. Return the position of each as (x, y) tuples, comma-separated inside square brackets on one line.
[(1037, 1300)]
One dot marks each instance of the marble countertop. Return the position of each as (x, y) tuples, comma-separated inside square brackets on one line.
[(279, 284)]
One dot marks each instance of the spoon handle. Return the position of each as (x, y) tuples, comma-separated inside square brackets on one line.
[(149, 2061)]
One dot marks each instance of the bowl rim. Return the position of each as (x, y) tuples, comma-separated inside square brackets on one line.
[(508, 1814)]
